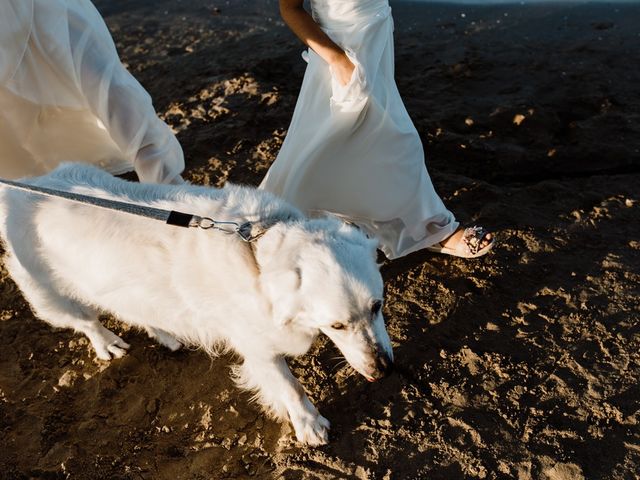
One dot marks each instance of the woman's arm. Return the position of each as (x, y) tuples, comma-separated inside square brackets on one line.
[(307, 30)]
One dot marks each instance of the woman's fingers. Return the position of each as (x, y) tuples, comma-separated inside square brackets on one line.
[(343, 69)]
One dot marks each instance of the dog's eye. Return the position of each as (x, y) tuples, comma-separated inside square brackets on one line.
[(338, 326), (375, 307)]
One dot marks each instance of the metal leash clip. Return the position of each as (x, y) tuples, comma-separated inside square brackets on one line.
[(207, 223), (245, 231)]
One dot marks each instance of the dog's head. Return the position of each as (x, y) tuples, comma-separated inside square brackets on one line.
[(321, 275)]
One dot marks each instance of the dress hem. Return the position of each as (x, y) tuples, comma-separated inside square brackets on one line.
[(427, 241)]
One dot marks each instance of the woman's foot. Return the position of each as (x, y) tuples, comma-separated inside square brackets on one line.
[(470, 242)]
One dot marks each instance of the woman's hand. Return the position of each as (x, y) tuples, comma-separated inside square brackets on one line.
[(343, 69)]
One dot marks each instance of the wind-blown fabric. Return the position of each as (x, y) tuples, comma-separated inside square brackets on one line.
[(65, 96), (353, 150)]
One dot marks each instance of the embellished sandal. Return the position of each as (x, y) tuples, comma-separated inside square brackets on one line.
[(469, 246)]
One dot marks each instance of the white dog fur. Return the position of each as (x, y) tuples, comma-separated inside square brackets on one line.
[(201, 287)]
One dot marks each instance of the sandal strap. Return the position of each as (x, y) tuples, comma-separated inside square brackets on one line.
[(473, 237)]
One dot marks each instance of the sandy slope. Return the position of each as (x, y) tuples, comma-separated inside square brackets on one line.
[(522, 365)]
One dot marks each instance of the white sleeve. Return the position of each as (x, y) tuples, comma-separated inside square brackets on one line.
[(120, 102)]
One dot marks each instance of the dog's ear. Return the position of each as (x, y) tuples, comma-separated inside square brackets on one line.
[(267, 246), (281, 288), (280, 278)]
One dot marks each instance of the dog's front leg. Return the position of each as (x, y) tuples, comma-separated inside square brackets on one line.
[(279, 391)]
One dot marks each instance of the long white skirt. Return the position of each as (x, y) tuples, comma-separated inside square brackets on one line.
[(353, 151), (65, 96)]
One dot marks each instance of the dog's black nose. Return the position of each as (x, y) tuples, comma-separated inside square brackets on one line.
[(384, 364)]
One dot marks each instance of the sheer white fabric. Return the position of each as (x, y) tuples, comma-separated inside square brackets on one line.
[(65, 96), (353, 150)]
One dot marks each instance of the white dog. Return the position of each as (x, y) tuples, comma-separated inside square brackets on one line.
[(264, 300)]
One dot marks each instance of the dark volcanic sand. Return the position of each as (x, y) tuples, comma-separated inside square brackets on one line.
[(522, 365)]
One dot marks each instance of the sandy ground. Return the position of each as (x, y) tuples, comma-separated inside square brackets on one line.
[(522, 365)]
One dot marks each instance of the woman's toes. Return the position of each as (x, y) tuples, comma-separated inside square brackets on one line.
[(486, 241)]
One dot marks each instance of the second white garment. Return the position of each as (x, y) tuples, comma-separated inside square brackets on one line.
[(65, 96), (353, 151)]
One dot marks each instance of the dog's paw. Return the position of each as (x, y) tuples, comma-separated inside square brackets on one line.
[(165, 339), (312, 430), (107, 344)]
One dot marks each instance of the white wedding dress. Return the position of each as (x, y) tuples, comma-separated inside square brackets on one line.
[(353, 151), (65, 96)]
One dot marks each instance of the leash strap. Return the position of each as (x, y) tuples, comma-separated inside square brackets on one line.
[(247, 231)]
